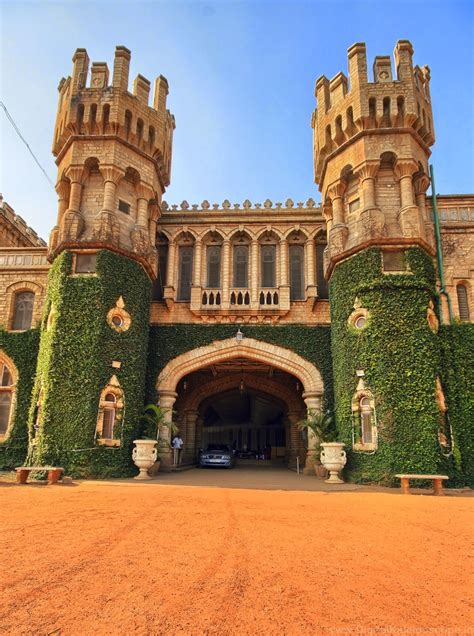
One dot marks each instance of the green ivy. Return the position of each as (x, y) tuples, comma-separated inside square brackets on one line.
[(400, 357), (169, 341), (75, 364), (22, 348), (458, 382)]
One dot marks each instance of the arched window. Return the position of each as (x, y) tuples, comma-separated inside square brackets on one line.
[(105, 117), (214, 266), (241, 266), (151, 137), (110, 414), (128, 123), (23, 310), (323, 291), (296, 272), (7, 389), (80, 117), (139, 131), (93, 115), (268, 263), (185, 272), (463, 302), (160, 282), (364, 425)]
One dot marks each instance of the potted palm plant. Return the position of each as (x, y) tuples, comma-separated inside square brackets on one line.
[(323, 429), (146, 452)]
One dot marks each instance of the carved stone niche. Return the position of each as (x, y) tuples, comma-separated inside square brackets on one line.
[(337, 239), (372, 224), (73, 226), (106, 228), (140, 240)]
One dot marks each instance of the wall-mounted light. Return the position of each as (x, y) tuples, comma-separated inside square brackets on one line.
[(238, 336)]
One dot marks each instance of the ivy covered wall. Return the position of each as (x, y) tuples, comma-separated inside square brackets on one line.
[(169, 341), (75, 364), (458, 381), (400, 357), (22, 349)]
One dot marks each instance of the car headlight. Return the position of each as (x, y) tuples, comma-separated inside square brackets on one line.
[(204, 457), (225, 456)]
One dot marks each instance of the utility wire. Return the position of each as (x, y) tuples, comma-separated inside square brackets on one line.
[(10, 119)]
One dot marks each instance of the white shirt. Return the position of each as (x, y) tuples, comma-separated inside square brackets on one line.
[(177, 442)]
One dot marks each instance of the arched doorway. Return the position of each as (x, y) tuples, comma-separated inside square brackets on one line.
[(241, 388)]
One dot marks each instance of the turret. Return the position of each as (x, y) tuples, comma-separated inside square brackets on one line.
[(371, 149), (113, 151)]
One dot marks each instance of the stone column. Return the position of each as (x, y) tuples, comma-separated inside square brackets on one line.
[(284, 279), (421, 186), (72, 222), (169, 290), (62, 188), (225, 272), (254, 273), (409, 215), (310, 269), (313, 404), (167, 400), (337, 236), (371, 222), (112, 176), (139, 234), (196, 288), (293, 441), (190, 441)]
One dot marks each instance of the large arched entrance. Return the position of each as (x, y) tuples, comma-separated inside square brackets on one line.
[(248, 394)]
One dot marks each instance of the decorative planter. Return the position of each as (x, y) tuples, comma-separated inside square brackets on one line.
[(333, 457), (144, 456)]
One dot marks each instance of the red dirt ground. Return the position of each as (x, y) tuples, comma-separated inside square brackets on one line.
[(127, 558)]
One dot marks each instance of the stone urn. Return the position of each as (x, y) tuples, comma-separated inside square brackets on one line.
[(144, 456), (333, 457)]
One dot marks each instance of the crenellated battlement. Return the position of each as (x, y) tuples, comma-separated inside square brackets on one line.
[(89, 105), (348, 107)]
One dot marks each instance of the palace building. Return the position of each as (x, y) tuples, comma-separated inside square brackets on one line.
[(239, 319)]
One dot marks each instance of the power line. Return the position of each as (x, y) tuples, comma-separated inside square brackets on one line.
[(10, 119)]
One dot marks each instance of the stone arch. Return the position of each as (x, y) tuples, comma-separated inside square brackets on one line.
[(266, 385), (20, 286), (229, 349)]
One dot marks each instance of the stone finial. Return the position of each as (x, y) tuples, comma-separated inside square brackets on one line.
[(278, 205), (258, 206), (226, 204), (247, 204), (310, 203), (267, 204), (289, 203), (205, 205), (184, 205), (215, 206), (164, 205), (236, 206)]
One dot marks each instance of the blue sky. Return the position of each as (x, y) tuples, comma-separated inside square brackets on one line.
[(241, 78)]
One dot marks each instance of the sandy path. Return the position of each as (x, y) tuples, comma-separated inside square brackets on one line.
[(139, 559)]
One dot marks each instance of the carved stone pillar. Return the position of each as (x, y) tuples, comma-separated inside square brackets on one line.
[(190, 449), (139, 234), (169, 290), (106, 226), (409, 215), (421, 186), (167, 400), (371, 222), (225, 272), (313, 404), (72, 225), (284, 278), (63, 189), (311, 289), (338, 234), (196, 288), (254, 273)]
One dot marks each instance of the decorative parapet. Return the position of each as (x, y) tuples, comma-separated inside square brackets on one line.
[(13, 221), (247, 206)]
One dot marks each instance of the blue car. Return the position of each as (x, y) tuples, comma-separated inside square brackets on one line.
[(217, 455)]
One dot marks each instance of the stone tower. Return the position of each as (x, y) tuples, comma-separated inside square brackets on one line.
[(371, 149), (113, 152)]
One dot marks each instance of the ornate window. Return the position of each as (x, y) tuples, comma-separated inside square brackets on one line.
[(214, 266), (241, 265), (463, 302), (268, 264), (23, 310), (109, 418), (359, 318), (7, 395), (296, 272), (185, 272), (364, 420), (118, 317), (85, 263)]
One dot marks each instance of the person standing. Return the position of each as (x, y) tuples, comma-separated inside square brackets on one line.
[(177, 445)]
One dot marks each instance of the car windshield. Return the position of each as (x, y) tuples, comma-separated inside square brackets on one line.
[(218, 447)]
